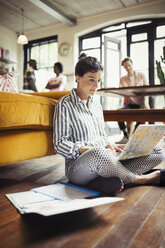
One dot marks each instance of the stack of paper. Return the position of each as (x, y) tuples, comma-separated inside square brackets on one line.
[(56, 199)]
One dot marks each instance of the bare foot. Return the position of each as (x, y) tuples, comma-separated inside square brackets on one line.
[(152, 178), (121, 188)]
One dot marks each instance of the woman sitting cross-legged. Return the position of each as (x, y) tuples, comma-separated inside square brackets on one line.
[(79, 136)]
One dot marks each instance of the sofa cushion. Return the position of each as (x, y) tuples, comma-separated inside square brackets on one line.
[(18, 110), (18, 145)]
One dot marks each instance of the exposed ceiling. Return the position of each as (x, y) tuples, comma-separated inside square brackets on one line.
[(41, 13)]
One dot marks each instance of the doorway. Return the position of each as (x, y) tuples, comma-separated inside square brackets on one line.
[(112, 73)]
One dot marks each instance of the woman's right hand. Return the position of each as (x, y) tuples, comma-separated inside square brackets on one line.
[(84, 149)]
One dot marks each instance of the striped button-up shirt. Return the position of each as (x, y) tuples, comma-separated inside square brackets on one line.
[(76, 125)]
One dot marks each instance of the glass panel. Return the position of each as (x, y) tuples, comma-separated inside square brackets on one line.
[(133, 24), (91, 43), (113, 63), (112, 28), (138, 37), (139, 55), (160, 31), (112, 45), (159, 56), (35, 53), (53, 54), (93, 53), (44, 56), (117, 34)]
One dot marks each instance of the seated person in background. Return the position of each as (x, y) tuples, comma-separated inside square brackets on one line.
[(29, 76), (59, 82), (132, 78)]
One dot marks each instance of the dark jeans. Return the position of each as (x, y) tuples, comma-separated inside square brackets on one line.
[(122, 125)]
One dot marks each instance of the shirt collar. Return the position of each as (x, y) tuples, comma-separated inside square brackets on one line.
[(135, 73), (76, 99)]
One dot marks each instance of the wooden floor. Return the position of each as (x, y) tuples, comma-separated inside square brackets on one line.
[(136, 222)]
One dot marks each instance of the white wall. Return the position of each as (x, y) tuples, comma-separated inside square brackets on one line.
[(151, 9), (8, 40)]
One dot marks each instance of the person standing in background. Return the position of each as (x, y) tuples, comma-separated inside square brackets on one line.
[(29, 76), (59, 82), (133, 78)]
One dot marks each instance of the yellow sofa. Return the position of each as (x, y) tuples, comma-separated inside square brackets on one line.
[(26, 125)]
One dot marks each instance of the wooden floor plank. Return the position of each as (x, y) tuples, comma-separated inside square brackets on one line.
[(130, 223), (9, 213), (91, 236), (152, 233)]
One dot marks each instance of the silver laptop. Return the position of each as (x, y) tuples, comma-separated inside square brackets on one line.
[(143, 141)]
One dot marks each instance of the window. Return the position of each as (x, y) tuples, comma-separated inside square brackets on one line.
[(45, 55), (91, 42), (45, 52), (91, 46), (142, 40)]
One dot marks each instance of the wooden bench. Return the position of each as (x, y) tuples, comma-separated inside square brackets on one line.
[(140, 115)]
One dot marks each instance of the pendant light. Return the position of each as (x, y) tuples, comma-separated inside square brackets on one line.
[(22, 39)]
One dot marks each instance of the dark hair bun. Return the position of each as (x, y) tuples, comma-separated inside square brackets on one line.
[(87, 64), (82, 56)]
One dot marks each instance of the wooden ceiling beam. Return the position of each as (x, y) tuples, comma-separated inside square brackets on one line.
[(53, 11)]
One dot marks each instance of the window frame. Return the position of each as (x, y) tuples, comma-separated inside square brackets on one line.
[(151, 31), (32, 43)]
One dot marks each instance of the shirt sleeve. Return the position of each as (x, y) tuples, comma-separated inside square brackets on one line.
[(61, 133), (120, 83)]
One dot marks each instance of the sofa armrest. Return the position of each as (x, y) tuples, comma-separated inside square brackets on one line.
[(52, 94)]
